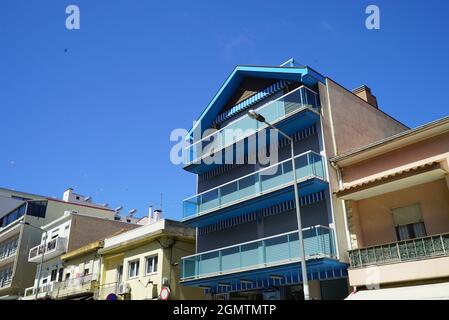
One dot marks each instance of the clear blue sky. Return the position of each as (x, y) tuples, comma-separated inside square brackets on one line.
[(98, 115)]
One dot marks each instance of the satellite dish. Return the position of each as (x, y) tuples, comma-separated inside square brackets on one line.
[(132, 211), (118, 208), (87, 198)]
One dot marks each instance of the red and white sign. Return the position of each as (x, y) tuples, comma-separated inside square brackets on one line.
[(165, 293)]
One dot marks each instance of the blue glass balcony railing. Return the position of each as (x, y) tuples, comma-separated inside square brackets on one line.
[(274, 111), (276, 250), (277, 176)]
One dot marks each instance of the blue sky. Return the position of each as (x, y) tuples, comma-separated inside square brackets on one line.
[(93, 108)]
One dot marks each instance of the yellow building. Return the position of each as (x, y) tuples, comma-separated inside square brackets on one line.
[(139, 263)]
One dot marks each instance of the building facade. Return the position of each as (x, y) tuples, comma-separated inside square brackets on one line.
[(243, 210), (396, 197), (139, 263), (66, 234), (21, 216)]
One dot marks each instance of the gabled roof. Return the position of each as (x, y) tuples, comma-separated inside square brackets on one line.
[(298, 73)]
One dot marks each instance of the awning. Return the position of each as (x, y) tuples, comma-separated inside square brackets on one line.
[(395, 181), (438, 291)]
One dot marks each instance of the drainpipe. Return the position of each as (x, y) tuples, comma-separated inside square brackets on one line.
[(340, 186)]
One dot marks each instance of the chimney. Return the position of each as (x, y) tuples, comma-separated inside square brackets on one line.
[(364, 93), (157, 215), (150, 214)]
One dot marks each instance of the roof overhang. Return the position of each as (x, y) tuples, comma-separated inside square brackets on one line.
[(393, 182), (302, 74)]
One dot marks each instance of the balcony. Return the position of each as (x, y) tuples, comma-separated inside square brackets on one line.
[(75, 286), (413, 260), (106, 290), (300, 107), (44, 291), (414, 249), (51, 249), (8, 254), (5, 282), (270, 185), (263, 253)]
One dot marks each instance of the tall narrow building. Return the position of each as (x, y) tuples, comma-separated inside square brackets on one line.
[(244, 206)]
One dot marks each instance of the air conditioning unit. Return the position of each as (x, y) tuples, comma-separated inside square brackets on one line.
[(272, 295), (124, 288)]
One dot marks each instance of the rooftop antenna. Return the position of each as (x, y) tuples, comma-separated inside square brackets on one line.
[(161, 201)]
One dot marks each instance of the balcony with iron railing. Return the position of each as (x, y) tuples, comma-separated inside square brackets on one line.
[(75, 286), (262, 253), (401, 251), (52, 248), (300, 106), (309, 168)]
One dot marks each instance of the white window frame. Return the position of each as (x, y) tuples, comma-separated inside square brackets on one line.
[(147, 259), (136, 274)]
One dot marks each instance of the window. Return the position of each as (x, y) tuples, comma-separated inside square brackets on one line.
[(408, 222), (151, 265), (37, 208), (53, 275), (67, 275), (60, 274), (86, 272), (133, 269)]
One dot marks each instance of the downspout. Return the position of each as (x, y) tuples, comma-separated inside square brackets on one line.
[(340, 186)]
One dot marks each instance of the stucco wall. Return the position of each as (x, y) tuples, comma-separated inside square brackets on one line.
[(376, 221), (355, 122), (140, 287), (436, 147), (85, 230)]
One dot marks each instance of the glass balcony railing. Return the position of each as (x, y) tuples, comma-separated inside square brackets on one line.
[(273, 111), (407, 250), (309, 164), (276, 250)]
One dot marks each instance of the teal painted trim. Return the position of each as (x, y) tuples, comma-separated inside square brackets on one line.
[(304, 74)]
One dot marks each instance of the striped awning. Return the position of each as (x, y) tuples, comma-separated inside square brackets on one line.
[(264, 93), (265, 212)]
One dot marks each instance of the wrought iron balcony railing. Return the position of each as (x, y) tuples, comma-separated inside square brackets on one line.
[(407, 250)]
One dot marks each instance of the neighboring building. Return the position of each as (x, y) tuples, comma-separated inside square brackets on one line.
[(69, 233), (247, 243), (13, 206), (396, 196), (16, 239), (138, 263)]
